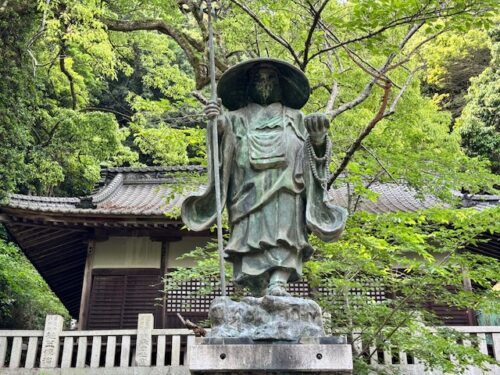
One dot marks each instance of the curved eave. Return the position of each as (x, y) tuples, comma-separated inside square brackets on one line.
[(86, 217)]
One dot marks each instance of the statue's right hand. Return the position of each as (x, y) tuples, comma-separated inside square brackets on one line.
[(212, 109), (213, 112)]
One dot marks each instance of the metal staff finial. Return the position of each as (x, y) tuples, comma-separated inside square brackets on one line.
[(212, 126)]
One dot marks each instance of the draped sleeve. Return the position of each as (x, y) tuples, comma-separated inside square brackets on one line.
[(198, 210), (324, 219)]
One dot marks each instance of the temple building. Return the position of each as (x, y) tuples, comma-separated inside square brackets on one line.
[(104, 255)]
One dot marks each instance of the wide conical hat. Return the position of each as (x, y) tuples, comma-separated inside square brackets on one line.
[(232, 86)]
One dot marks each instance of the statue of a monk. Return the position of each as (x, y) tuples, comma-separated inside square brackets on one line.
[(273, 170)]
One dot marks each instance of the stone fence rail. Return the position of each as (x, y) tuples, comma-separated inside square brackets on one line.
[(146, 350)]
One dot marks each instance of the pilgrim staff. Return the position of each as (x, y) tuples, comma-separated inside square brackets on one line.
[(212, 112)]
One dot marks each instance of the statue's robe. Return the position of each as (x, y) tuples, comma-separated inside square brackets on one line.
[(272, 198)]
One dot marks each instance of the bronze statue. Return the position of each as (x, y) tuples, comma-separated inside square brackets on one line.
[(274, 169)]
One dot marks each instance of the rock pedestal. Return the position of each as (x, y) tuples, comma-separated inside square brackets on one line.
[(268, 318)]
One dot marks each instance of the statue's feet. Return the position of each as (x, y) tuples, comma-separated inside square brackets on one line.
[(277, 289)]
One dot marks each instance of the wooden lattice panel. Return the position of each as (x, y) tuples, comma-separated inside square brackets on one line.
[(193, 305), (187, 299), (371, 288), (299, 289)]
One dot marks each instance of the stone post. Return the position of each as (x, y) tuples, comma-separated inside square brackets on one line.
[(50, 342), (144, 342)]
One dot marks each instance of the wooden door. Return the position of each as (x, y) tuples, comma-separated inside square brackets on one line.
[(117, 296)]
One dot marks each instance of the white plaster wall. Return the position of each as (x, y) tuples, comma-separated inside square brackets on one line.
[(176, 249), (127, 252)]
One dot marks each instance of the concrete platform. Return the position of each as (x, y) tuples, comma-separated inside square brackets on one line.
[(272, 358)]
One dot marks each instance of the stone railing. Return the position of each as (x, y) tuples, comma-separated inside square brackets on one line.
[(486, 337), (146, 350), (124, 351)]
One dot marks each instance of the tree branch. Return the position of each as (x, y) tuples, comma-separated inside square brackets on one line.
[(156, 25), (413, 29), (198, 331), (189, 45), (367, 186), (35, 37), (369, 69), (109, 110), (68, 75), (379, 74), (357, 143), (416, 48), (333, 96), (372, 154), (199, 96), (50, 134), (273, 36), (353, 103), (394, 103), (198, 16), (312, 28), (395, 23)]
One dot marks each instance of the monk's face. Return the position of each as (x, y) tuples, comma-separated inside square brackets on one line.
[(265, 86)]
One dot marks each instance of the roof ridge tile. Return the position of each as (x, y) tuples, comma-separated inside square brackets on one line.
[(108, 190), (155, 168)]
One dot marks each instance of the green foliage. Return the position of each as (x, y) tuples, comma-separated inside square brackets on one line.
[(479, 124), (452, 61), (414, 146), (16, 97), (169, 146), (447, 53), (415, 258), (206, 270), (72, 147), (50, 145), (25, 298), (103, 57)]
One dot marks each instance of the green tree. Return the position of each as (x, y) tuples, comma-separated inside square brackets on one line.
[(416, 258), (452, 61), (479, 124), (360, 56), (51, 145), (16, 95)]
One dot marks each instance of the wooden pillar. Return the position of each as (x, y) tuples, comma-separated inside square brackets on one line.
[(163, 271), (471, 317), (86, 286)]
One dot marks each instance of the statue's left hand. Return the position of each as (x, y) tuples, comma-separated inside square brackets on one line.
[(317, 125)]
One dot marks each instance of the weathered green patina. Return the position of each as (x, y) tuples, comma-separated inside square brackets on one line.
[(273, 164)]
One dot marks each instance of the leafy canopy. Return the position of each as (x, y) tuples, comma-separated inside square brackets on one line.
[(407, 259)]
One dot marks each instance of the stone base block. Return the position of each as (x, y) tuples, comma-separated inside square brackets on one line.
[(270, 359)]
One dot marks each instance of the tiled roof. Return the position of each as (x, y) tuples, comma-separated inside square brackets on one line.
[(124, 191), (131, 191), (480, 202), (392, 197)]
